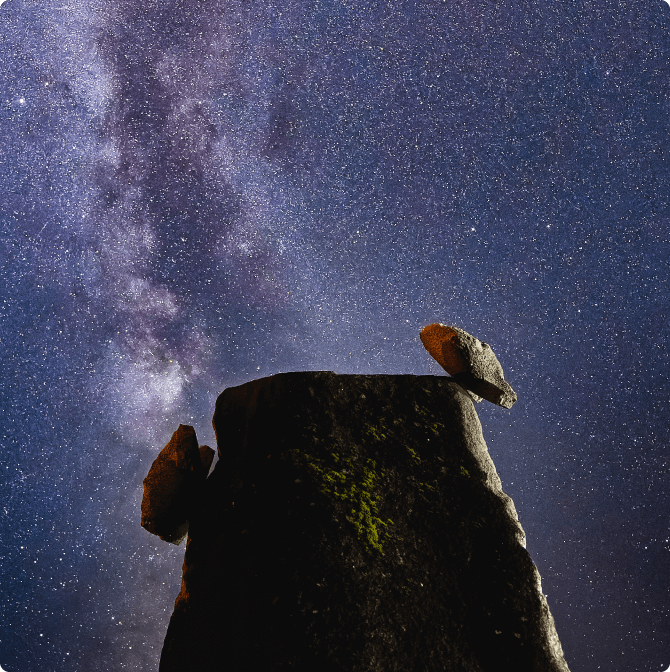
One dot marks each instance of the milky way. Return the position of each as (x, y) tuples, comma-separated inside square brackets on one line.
[(199, 193)]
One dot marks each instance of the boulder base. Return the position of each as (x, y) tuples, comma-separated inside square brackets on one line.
[(356, 524)]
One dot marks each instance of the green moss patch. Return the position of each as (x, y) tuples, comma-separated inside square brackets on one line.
[(354, 485)]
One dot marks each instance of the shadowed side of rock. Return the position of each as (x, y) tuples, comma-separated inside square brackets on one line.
[(356, 524)]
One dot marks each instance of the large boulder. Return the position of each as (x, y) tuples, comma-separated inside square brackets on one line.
[(172, 485), (471, 363), (356, 524)]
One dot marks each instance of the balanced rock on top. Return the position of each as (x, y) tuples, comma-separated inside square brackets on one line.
[(470, 362)]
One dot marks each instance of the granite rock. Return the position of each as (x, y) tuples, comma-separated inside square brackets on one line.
[(471, 363), (172, 484), (356, 524)]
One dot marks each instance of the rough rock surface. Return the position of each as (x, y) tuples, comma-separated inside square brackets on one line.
[(356, 524), (471, 363), (172, 484)]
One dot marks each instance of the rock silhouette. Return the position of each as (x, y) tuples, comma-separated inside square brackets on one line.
[(355, 524)]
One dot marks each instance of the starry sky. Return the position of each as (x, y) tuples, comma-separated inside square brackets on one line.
[(197, 193)]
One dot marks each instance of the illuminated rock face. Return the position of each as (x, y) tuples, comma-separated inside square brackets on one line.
[(471, 363), (172, 484), (356, 524)]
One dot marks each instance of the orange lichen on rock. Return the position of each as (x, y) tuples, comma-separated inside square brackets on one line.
[(442, 344)]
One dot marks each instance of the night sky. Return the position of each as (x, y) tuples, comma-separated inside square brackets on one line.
[(197, 193)]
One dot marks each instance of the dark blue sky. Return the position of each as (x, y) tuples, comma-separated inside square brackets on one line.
[(198, 193)]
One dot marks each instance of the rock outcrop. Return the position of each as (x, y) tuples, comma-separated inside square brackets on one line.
[(355, 524), (172, 485), (471, 363)]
